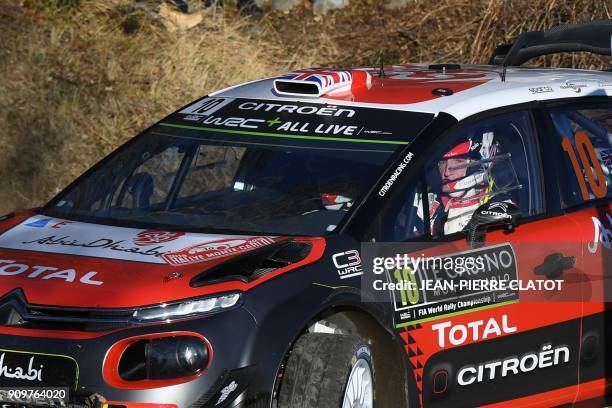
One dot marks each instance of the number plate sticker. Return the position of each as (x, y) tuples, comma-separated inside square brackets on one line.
[(34, 396), (27, 370)]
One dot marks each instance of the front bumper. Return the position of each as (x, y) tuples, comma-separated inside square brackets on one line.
[(230, 334)]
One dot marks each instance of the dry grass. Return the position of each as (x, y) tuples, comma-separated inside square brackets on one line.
[(75, 85), (79, 80), (435, 31)]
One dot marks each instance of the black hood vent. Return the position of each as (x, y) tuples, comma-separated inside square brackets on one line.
[(255, 264)]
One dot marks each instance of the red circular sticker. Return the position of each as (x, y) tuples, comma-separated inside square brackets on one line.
[(153, 237)]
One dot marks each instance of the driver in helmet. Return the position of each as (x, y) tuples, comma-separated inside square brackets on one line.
[(465, 183)]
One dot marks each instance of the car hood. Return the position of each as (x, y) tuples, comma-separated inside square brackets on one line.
[(65, 263)]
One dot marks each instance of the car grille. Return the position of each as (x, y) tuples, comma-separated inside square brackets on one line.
[(15, 311)]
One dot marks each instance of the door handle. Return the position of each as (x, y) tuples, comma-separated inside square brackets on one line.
[(554, 265)]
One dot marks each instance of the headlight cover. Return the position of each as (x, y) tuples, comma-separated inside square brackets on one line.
[(187, 308)]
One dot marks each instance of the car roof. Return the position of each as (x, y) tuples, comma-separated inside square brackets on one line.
[(459, 90)]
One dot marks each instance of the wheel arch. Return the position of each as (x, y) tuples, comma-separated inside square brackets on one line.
[(390, 359)]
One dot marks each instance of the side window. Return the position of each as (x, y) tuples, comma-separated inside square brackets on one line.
[(402, 219), (585, 137), (494, 159), (491, 160)]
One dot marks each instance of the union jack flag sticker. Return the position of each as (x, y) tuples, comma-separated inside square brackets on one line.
[(317, 81)]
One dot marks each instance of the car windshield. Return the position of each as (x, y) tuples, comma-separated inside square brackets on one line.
[(213, 178)]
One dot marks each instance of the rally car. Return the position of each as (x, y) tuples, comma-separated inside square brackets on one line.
[(235, 254)]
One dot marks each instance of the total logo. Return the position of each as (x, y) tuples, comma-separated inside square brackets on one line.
[(601, 234), (477, 330), (347, 263), (12, 268)]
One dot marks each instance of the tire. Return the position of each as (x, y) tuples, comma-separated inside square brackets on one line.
[(319, 369)]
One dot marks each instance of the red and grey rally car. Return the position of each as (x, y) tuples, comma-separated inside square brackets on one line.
[(231, 254)]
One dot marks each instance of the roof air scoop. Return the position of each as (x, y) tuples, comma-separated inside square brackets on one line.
[(313, 82)]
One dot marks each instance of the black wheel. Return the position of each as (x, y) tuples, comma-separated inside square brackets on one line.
[(328, 371)]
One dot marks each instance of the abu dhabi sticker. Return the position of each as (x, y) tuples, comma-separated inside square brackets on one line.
[(52, 235), (214, 250)]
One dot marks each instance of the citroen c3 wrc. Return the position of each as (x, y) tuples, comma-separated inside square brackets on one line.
[(231, 254)]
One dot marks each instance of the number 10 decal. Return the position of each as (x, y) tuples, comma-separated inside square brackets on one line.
[(588, 163)]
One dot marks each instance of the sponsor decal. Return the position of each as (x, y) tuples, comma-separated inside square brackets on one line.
[(430, 288), (172, 276), (501, 205), (435, 76), (38, 223), (205, 107), (42, 223), (300, 121), (284, 126), (321, 110), (348, 264), (601, 234), (577, 88), (478, 330), (193, 118), (604, 84), (541, 89), (496, 214), (320, 129), (214, 250), (398, 171), (235, 122), (60, 224), (226, 391), (101, 241), (12, 268), (28, 373), (153, 237), (492, 370), (502, 209)]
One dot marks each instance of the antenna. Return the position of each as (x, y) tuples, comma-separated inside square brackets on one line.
[(522, 40), (381, 73)]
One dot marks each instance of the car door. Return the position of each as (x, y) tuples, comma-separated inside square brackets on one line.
[(581, 137), (473, 346)]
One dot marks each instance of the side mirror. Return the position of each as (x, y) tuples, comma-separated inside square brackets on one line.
[(490, 215)]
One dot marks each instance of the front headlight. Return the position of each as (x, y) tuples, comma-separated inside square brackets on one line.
[(187, 308)]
